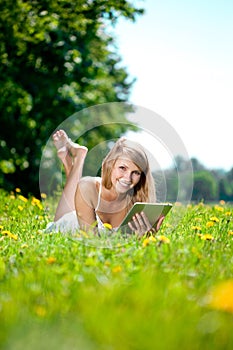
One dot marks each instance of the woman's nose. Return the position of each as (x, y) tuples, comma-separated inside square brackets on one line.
[(128, 176)]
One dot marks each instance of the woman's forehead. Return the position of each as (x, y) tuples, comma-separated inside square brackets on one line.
[(126, 161)]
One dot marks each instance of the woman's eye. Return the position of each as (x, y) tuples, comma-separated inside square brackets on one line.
[(137, 173)]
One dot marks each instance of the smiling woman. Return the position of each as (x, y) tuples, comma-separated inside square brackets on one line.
[(92, 202)]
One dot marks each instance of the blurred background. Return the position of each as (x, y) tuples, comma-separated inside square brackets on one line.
[(61, 57)]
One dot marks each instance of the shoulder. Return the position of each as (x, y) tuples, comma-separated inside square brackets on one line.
[(88, 188), (89, 182)]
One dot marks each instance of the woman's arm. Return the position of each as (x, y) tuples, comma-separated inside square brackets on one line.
[(85, 198)]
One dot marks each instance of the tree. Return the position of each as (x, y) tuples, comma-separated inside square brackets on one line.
[(205, 186), (56, 57), (226, 186)]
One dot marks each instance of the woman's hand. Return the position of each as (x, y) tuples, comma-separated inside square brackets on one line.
[(141, 225)]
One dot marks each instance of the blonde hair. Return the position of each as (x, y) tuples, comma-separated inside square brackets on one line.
[(144, 191)]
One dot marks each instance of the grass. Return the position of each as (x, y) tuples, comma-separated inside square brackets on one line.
[(174, 291)]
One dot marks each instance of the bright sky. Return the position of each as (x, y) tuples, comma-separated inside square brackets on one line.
[(181, 53)]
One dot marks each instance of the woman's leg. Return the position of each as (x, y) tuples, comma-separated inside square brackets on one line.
[(74, 170), (60, 140)]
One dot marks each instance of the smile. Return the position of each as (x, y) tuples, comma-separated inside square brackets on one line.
[(124, 184)]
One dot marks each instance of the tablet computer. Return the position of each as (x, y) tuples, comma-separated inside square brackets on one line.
[(152, 210)]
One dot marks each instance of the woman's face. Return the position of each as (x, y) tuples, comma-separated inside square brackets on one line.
[(125, 175)]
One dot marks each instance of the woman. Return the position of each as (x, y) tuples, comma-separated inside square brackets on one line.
[(90, 202)]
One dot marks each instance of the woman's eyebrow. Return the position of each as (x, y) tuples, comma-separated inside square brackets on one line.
[(126, 166)]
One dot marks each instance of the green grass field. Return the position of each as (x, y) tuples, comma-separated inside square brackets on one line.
[(171, 291)]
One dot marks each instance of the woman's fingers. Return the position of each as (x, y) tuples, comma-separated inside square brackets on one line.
[(159, 222), (141, 225)]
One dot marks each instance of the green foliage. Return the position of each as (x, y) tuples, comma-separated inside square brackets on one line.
[(63, 292), (208, 185), (56, 57), (205, 186)]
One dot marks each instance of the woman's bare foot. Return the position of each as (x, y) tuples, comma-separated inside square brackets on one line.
[(76, 150), (60, 139), (67, 150)]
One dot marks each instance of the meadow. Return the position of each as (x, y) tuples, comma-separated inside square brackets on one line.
[(169, 291)]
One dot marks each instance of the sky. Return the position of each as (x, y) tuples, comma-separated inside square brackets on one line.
[(181, 54)]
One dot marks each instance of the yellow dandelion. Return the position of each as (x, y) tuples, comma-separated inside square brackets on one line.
[(196, 228), (24, 245), (22, 198), (207, 237), (43, 195), (218, 208), (18, 190), (221, 296), (1, 227), (163, 239), (20, 207), (230, 233), (145, 242), (214, 219), (35, 201), (84, 233), (51, 260), (40, 311), (117, 269), (108, 226), (10, 235), (209, 224), (39, 205), (228, 213), (168, 225)]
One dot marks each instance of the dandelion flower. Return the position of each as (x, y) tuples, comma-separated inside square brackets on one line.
[(207, 237), (43, 195), (108, 226), (40, 311), (24, 245), (145, 242), (209, 224), (163, 239), (196, 228), (218, 208), (18, 190), (9, 234), (117, 269), (51, 260), (84, 233), (20, 207), (214, 219), (22, 198), (221, 296)]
